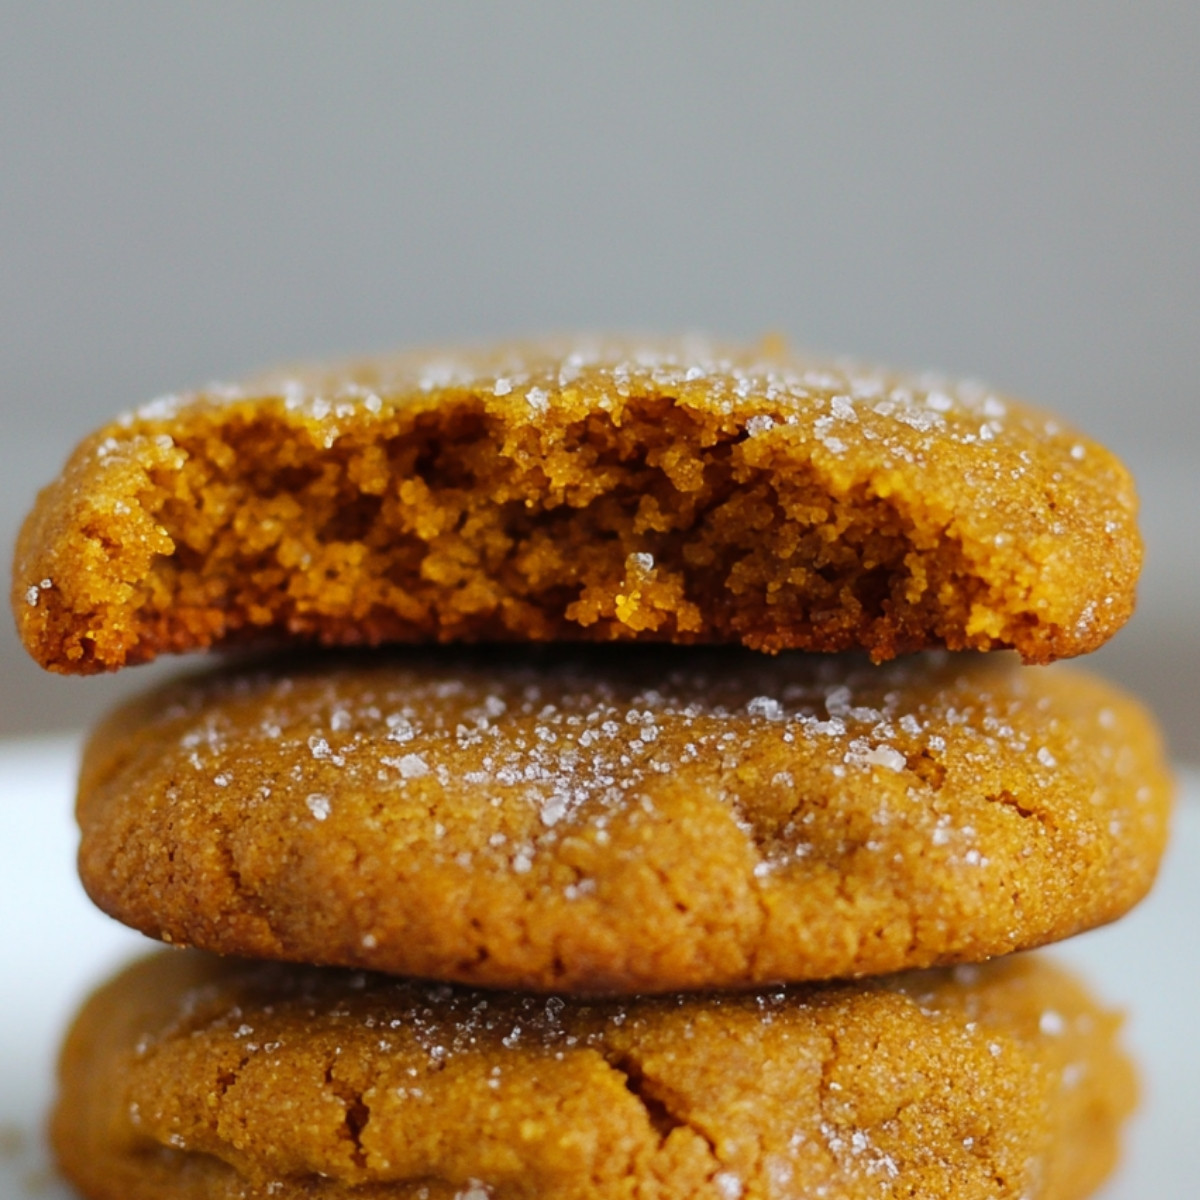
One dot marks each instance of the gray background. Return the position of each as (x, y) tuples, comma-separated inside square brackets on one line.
[(188, 191)]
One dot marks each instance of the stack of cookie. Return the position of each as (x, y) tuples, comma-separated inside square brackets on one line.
[(533, 917)]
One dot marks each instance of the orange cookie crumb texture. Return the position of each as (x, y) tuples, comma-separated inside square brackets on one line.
[(625, 819), (196, 1077), (581, 490)]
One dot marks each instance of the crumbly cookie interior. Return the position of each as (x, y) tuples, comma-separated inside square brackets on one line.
[(810, 510), (657, 528)]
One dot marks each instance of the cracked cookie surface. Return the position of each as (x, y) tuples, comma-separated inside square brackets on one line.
[(190, 1076), (581, 489), (623, 820)]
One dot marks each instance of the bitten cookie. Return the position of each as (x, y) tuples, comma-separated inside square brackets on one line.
[(195, 1077), (588, 489), (623, 820)]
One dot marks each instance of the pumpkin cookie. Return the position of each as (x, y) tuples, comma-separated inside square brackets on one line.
[(626, 819), (191, 1076), (581, 490)]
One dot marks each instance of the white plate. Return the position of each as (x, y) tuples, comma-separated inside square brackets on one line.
[(56, 948)]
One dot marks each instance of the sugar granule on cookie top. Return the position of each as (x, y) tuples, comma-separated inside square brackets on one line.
[(581, 489)]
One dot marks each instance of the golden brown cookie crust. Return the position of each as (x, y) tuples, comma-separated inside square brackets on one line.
[(194, 1077), (627, 819), (581, 489)]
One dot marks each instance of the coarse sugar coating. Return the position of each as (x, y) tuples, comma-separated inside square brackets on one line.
[(623, 819), (195, 1078), (583, 489)]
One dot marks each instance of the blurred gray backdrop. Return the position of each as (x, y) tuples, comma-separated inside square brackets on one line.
[(188, 191)]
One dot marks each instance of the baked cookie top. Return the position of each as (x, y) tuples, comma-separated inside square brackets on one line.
[(582, 489), (626, 819), (195, 1077)]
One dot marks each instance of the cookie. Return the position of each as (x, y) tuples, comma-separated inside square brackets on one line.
[(581, 490), (191, 1076), (628, 819)]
